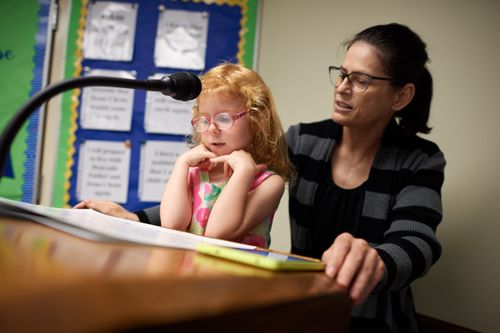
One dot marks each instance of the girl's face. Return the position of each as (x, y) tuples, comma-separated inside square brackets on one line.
[(224, 141), (368, 109)]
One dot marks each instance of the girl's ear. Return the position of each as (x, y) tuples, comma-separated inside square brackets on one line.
[(403, 97)]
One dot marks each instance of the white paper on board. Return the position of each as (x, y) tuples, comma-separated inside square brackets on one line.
[(181, 39), (157, 161), (107, 108), (166, 115), (103, 171), (110, 31)]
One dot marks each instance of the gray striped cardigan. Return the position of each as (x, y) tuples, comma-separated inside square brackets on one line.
[(400, 212)]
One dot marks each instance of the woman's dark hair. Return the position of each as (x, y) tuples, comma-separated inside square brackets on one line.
[(404, 56)]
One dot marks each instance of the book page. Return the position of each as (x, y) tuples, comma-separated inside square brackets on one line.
[(107, 227)]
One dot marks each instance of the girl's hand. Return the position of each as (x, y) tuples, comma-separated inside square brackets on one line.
[(238, 161), (198, 156), (355, 265)]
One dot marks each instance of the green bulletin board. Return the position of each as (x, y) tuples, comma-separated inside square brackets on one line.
[(24, 46)]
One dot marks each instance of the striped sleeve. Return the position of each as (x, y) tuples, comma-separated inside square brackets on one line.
[(410, 244), (149, 215)]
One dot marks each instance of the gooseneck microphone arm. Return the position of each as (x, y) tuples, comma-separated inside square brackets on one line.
[(183, 86)]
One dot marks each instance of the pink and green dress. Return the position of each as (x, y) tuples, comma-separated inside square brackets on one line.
[(206, 193)]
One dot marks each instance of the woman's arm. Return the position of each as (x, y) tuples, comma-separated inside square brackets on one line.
[(410, 244)]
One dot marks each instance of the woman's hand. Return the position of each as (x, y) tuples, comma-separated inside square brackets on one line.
[(108, 208), (355, 265)]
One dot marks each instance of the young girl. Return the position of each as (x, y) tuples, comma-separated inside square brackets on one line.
[(229, 185)]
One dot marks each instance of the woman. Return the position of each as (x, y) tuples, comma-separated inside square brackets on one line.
[(367, 198)]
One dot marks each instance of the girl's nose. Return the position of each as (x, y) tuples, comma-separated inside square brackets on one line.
[(212, 127)]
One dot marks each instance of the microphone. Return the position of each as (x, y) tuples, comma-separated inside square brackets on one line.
[(183, 86)]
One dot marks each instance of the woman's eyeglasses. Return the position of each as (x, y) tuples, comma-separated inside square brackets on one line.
[(358, 81), (223, 120)]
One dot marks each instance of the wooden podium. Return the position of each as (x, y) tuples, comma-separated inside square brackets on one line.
[(51, 281)]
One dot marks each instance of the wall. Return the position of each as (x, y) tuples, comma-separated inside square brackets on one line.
[(300, 38)]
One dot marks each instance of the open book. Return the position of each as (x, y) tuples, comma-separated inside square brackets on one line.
[(90, 224)]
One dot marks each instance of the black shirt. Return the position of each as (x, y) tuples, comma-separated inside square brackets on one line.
[(340, 212)]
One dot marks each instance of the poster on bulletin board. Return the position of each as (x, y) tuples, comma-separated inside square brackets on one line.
[(118, 144)]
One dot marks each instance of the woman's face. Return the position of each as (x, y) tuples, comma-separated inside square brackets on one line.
[(369, 109), (224, 141)]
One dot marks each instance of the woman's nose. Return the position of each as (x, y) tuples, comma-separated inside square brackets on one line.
[(344, 85)]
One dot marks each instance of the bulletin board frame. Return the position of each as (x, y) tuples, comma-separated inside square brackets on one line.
[(232, 37)]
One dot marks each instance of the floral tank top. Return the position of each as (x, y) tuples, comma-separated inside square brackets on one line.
[(205, 195)]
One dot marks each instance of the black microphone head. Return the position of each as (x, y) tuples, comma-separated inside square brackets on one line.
[(185, 86)]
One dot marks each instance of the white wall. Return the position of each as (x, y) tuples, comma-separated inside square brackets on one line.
[(300, 38)]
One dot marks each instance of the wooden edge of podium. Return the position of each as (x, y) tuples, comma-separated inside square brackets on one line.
[(317, 314), (247, 303)]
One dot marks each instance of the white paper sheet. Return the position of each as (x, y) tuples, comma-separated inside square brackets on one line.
[(103, 170), (166, 115), (181, 39), (111, 228), (110, 31), (107, 108), (157, 161)]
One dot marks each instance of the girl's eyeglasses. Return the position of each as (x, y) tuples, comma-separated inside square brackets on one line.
[(223, 120)]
